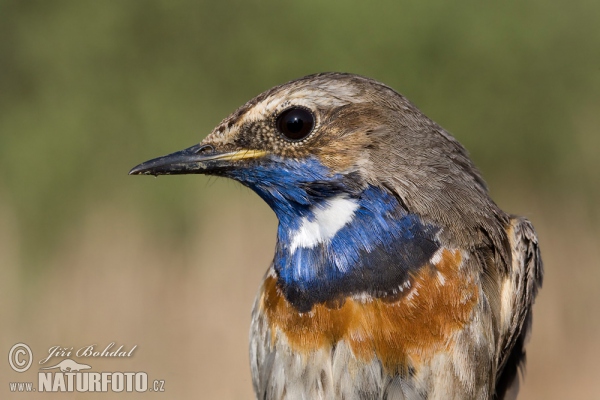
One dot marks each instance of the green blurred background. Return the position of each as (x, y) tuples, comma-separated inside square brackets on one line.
[(88, 89)]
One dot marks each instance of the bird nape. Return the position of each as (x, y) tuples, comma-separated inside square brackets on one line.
[(395, 275)]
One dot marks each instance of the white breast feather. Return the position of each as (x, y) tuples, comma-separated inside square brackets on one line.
[(327, 221)]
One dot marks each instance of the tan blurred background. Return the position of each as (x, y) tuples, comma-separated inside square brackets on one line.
[(88, 89)]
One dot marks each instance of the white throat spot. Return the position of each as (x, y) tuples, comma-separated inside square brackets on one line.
[(327, 221)]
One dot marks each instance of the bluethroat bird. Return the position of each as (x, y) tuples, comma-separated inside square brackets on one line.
[(395, 275)]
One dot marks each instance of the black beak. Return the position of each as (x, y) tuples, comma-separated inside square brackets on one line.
[(198, 159)]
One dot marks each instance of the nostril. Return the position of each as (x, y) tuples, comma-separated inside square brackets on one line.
[(207, 148)]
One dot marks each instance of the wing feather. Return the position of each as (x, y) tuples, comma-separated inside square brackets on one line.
[(518, 292)]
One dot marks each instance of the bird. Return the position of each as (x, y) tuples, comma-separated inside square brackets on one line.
[(395, 275)]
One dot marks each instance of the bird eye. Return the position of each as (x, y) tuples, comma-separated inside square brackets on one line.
[(295, 123)]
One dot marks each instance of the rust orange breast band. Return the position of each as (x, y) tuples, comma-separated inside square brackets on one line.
[(400, 333)]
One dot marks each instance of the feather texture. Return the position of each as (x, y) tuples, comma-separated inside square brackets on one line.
[(395, 275)]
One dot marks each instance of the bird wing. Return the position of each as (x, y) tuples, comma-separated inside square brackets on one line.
[(518, 293)]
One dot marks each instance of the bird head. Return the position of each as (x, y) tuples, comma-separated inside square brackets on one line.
[(295, 145), (334, 153)]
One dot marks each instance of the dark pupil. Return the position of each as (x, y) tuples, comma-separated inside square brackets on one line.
[(295, 123)]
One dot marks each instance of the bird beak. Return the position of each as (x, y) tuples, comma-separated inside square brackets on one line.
[(198, 159)]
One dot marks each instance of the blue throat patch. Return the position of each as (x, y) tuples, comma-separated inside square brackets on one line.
[(372, 253)]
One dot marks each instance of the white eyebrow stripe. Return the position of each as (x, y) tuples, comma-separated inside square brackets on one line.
[(326, 96)]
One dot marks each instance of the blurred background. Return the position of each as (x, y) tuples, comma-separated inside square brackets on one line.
[(88, 89)]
